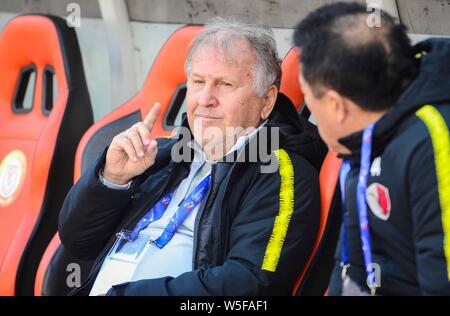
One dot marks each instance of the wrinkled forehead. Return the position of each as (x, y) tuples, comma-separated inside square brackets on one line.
[(227, 48)]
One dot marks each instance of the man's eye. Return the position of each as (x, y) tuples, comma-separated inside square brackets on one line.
[(226, 84), (198, 81)]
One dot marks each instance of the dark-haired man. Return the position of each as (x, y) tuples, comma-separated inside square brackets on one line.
[(383, 106)]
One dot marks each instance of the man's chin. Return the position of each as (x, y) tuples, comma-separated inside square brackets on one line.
[(205, 141), (212, 146), (339, 150)]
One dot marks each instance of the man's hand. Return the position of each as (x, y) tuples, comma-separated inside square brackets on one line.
[(132, 151)]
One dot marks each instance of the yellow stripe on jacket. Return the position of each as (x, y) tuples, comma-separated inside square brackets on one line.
[(286, 208), (440, 139)]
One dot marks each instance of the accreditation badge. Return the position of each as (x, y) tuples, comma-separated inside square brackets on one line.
[(350, 288), (121, 262)]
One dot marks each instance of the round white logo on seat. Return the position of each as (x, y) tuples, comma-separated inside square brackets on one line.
[(12, 175)]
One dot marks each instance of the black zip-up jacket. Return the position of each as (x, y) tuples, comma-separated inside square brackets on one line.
[(252, 237), (405, 201)]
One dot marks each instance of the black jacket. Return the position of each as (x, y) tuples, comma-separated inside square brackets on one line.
[(408, 236), (232, 231)]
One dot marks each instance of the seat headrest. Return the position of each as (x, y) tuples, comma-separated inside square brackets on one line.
[(290, 86), (39, 44), (167, 74)]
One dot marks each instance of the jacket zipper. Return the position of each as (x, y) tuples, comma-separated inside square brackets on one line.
[(199, 218), (221, 234)]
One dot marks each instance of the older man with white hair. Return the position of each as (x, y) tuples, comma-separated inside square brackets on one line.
[(198, 214)]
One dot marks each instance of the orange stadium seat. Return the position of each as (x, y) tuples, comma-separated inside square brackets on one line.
[(44, 111), (165, 84), (313, 279), (289, 79)]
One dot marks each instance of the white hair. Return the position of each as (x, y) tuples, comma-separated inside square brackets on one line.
[(223, 33)]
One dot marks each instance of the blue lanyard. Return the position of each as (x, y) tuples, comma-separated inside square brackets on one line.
[(154, 214), (177, 219), (366, 150), (345, 169)]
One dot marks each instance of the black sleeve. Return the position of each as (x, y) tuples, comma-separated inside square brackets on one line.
[(271, 238), (90, 213)]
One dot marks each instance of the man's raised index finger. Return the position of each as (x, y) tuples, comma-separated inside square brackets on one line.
[(151, 117)]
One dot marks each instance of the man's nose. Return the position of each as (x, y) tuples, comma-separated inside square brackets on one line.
[(207, 96)]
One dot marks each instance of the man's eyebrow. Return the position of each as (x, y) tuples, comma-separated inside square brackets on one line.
[(195, 74), (225, 78), (220, 78)]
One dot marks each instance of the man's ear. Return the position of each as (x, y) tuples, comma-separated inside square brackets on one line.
[(269, 102), (338, 105)]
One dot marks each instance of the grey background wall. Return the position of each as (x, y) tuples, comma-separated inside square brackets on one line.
[(148, 23)]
